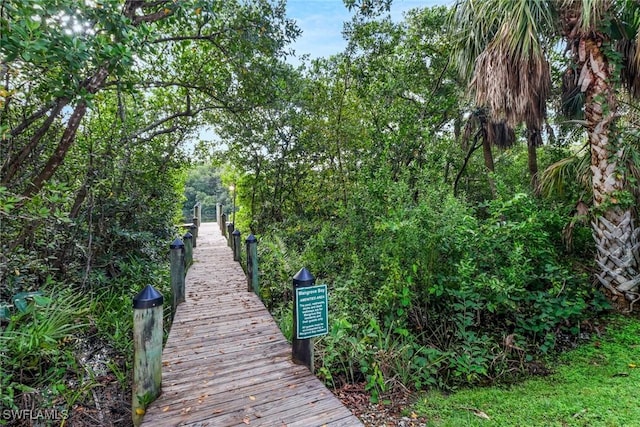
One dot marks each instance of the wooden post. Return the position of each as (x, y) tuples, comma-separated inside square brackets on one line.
[(177, 273), (198, 213), (252, 264), (197, 224), (147, 351), (301, 349), (218, 213), (223, 225), (196, 208), (188, 250), (236, 245), (194, 234), (230, 234)]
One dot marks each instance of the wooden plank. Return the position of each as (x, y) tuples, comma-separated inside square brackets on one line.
[(235, 322), (208, 405), (215, 378), (225, 336), (264, 348), (336, 416), (272, 411), (195, 314), (262, 342)]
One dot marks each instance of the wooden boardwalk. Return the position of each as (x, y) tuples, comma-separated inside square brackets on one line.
[(226, 363)]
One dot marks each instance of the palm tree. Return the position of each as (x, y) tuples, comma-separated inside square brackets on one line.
[(480, 131), (491, 54), (504, 45)]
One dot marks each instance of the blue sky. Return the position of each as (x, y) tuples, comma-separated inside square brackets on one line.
[(321, 22)]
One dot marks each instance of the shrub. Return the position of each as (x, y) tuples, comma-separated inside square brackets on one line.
[(435, 293), (34, 344)]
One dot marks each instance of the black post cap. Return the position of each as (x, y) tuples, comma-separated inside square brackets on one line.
[(236, 232), (187, 235), (303, 278), (251, 238), (148, 298), (176, 244)]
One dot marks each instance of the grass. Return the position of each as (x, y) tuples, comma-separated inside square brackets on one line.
[(594, 385)]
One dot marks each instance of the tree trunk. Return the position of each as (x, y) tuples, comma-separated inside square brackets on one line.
[(472, 149), (534, 140), (613, 229), (68, 137), (617, 257), (12, 166), (488, 163)]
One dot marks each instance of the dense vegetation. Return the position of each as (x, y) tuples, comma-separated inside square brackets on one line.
[(100, 103), (448, 264), (450, 259)]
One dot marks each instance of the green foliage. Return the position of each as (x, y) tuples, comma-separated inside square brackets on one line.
[(93, 152), (31, 252), (278, 265), (203, 184), (583, 386), (114, 320), (35, 341), (436, 293), (344, 165), (284, 316), (349, 172)]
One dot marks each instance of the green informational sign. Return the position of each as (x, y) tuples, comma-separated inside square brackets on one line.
[(311, 311)]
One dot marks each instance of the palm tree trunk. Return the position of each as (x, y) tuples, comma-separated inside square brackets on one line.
[(617, 257), (534, 140), (613, 229), (488, 163)]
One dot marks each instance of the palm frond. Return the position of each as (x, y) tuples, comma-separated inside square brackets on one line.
[(627, 33), (473, 32), (572, 98), (524, 26), (513, 90), (582, 17), (501, 134), (501, 44), (555, 178)]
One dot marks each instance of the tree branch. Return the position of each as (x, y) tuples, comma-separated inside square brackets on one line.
[(208, 37), (153, 17), (131, 7), (159, 132), (472, 149), (68, 137), (10, 168), (35, 116)]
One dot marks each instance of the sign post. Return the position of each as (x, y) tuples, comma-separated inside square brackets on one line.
[(309, 316)]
